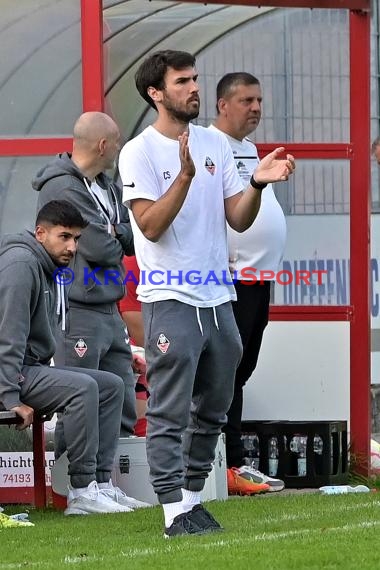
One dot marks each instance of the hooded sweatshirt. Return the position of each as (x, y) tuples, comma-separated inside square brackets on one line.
[(27, 311), (98, 271)]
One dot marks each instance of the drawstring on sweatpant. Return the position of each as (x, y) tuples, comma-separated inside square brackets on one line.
[(200, 322), (215, 318)]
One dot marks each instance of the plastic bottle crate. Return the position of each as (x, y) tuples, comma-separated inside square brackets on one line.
[(329, 467)]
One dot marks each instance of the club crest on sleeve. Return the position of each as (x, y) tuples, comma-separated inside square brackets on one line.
[(209, 165), (80, 347), (163, 343)]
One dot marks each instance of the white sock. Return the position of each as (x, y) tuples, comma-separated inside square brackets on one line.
[(75, 492), (190, 499), (171, 510), (105, 485)]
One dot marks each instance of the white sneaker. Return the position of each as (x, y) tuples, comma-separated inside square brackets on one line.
[(121, 498), (252, 474), (93, 501)]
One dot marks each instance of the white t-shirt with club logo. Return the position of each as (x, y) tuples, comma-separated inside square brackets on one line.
[(194, 247)]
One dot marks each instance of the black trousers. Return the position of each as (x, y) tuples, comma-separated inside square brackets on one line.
[(251, 312)]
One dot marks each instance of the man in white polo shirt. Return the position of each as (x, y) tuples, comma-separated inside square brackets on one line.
[(261, 247)]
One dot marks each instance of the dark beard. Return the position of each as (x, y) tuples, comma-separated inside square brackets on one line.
[(180, 115), (183, 116)]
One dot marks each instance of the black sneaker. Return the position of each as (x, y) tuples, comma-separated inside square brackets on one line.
[(205, 520), (183, 524)]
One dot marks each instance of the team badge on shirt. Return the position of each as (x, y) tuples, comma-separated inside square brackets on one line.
[(209, 165), (163, 343), (243, 171), (80, 347)]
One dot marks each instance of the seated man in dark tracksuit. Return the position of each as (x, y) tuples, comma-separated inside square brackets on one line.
[(90, 400)]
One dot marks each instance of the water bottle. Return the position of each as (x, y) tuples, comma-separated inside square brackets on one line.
[(301, 461), (318, 444), (273, 457), (251, 445), (342, 489), (333, 470), (255, 451), (246, 444), (293, 448), (318, 451)]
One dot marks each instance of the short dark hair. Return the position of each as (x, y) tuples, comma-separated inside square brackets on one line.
[(227, 83), (151, 72), (61, 213)]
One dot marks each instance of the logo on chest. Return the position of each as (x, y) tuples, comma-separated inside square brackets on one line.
[(209, 165)]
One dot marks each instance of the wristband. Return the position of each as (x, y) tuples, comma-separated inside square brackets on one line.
[(255, 184)]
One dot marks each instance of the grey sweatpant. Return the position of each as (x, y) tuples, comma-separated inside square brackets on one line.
[(192, 355), (106, 347), (91, 403)]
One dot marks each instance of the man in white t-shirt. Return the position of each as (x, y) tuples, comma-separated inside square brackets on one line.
[(181, 184), (260, 247)]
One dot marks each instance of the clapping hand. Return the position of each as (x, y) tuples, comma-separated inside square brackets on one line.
[(272, 168), (187, 164)]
